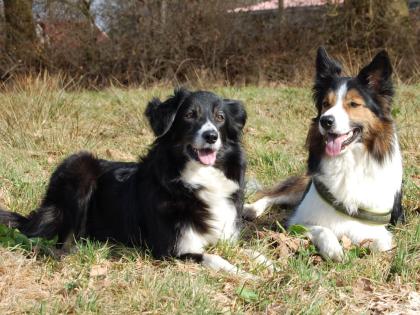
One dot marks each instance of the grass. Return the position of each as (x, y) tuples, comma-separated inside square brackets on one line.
[(40, 124)]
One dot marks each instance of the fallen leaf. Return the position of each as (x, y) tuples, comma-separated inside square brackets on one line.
[(316, 259), (247, 294), (284, 243), (98, 271), (364, 284), (346, 242), (366, 243), (297, 229)]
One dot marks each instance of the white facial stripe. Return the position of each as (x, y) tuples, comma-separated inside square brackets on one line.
[(342, 91), (207, 126), (199, 140), (342, 121)]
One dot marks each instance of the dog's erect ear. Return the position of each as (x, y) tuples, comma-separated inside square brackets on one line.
[(377, 75), (326, 67), (161, 115), (326, 70), (237, 117)]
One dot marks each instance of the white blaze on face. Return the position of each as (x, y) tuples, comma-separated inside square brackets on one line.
[(341, 117), (341, 129), (207, 152)]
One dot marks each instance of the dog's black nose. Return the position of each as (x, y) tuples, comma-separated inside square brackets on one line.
[(327, 122), (210, 136)]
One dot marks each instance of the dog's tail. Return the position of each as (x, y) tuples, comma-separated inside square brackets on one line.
[(65, 205), (11, 219), (288, 192), (42, 222)]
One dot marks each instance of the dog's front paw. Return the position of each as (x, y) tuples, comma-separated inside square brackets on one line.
[(332, 250), (254, 210), (327, 243), (382, 244), (249, 213)]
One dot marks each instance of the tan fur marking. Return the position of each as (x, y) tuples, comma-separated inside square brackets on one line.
[(314, 140), (353, 96), (377, 134), (329, 100)]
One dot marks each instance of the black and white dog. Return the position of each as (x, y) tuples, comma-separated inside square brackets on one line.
[(353, 184), (185, 194)]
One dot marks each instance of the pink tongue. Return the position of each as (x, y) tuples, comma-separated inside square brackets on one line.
[(207, 157), (333, 147)]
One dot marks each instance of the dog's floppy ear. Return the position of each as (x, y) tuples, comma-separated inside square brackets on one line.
[(377, 75), (326, 67), (161, 115), (237, 117)]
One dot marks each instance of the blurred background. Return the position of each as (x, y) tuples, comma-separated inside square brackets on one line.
[(99, 42)]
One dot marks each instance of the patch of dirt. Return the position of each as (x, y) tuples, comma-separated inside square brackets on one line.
[(376, 298)]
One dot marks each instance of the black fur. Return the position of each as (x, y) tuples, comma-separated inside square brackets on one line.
[(146, 203), (397, 214)]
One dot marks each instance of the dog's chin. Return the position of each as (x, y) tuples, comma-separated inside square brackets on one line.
[(206, 156), (336, 144)]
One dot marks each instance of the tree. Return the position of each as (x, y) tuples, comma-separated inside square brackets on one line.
[(383, 8), (20, 29), (377, 21), (281, 10)]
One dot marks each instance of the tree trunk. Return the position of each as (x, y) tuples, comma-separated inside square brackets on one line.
[(20, 29), (281, 10)]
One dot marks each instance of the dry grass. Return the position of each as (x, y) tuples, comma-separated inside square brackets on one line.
[(40, 123)]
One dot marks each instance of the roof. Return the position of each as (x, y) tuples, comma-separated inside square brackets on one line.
[(274, 4)]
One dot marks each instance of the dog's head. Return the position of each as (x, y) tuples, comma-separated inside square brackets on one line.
[(199, 123), (354, 110)]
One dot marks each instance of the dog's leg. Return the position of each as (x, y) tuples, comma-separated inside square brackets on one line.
[(289, 192), (260, 259), (380, 238), (326, 242), (217, 263), (382, 243)]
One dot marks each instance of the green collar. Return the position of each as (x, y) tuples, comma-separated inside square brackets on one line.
[(362, 214)]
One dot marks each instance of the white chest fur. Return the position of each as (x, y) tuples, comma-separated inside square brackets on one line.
[(358, 180), (215, 191)]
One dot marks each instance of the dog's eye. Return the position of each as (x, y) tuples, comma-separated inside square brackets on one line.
[(190, 115), (354, 104), (324, 104), (220, 117)]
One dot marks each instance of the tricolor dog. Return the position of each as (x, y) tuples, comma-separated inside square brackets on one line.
[(354, 169)]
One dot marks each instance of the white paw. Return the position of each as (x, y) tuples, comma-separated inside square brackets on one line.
[(261, 260), (249, 212), (382, 244), (254, 210), (332, 250), (326, 242)]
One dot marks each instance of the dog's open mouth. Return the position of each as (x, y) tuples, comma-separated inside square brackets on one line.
[(205, 156), (336, 143)]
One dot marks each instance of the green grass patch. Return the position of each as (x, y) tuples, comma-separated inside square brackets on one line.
[(40, 124)]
